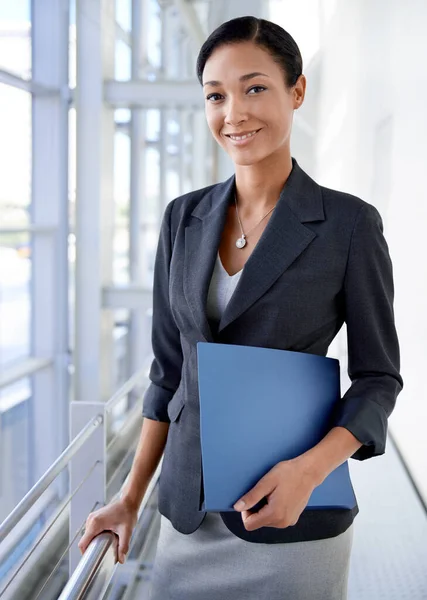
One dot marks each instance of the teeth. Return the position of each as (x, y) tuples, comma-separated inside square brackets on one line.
[(242, 137)]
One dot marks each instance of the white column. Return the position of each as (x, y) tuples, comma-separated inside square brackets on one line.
[(49, 284), (139, 333), (94, 199)]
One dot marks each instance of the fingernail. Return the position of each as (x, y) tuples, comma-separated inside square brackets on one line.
[(239, 505)]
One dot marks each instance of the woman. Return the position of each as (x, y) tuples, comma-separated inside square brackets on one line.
[(268, 258)]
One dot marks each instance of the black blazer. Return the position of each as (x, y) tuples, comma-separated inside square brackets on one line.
[(321, 260)]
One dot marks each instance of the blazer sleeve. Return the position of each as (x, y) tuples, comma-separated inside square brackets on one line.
[(166, 367), (373, 347)]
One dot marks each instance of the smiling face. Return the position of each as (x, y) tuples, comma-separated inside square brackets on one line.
[(248, 108)]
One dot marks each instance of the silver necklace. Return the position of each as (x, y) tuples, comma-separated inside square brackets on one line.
[(241, 241)]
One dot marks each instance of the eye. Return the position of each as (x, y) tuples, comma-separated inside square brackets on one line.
[(215, 97), (211, 96), (257, 87)]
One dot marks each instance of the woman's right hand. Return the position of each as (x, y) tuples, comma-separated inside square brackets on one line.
[(120, 517)]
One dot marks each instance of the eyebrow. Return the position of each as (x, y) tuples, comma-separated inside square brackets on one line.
[(242, 78)]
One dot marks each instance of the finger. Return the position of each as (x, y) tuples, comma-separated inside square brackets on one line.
[(85, 541), (123, 550), (93, 528), (264, 487), (262, 518), (116, 549), (124, 539)]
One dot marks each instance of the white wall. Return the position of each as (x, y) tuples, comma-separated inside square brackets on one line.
[(371, 142)]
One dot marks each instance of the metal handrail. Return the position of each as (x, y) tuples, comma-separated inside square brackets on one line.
[(45, 532), (45, 480), (31, 499), (95, 553)]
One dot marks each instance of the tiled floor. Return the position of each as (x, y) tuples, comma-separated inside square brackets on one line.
[(389, 558)]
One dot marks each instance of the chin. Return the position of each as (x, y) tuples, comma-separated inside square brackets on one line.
[(244, 163), (248, 160)]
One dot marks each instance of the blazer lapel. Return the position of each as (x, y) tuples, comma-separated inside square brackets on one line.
[(282, 241), (202, 239)]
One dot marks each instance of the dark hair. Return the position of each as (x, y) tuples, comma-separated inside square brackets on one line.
[(270, 36)]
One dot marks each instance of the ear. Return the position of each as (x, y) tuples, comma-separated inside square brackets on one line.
[(299, 91)]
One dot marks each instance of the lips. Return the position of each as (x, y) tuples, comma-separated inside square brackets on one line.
[(242, 135)]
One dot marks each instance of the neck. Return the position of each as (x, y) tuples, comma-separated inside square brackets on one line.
[(258, 186)]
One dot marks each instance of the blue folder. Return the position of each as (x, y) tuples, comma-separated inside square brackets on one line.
[(260, 406)]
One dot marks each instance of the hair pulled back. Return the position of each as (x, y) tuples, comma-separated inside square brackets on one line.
[(266, 34)]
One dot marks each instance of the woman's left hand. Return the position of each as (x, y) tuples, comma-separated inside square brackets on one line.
[(287, 488)]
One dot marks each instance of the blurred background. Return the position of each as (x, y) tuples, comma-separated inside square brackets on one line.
[(101, 125)]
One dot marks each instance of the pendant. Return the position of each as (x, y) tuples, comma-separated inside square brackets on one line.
[(241, 242)]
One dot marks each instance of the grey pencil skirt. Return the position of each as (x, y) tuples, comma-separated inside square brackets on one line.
[(213, 564)]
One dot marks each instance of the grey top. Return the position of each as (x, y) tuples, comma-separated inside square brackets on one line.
[(221, 288)]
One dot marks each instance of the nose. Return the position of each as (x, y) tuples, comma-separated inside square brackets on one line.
[(235, 113)]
